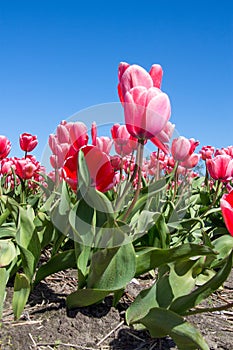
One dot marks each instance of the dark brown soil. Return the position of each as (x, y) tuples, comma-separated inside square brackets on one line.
[(47, 324)]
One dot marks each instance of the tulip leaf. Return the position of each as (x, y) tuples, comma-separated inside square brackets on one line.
[(150, 258), (7, 232), (7, 252), (58, 262), (162, 322), (4, 275), (223, 245), (85, 297), (111, 269), (186, 302), (81, 219), (21, 293)]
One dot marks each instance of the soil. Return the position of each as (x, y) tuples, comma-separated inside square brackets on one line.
[(47, 324)]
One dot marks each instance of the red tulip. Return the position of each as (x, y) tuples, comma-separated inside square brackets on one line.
[(5, 147), (146, 111), (27, 142), (99, 166), (220, 167), (226, 204)]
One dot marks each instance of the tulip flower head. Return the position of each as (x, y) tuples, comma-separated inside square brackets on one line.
[(146, 111), (220, 167), (5, 147), (226, 204), (182, 148), (28, 142), (99, 166)]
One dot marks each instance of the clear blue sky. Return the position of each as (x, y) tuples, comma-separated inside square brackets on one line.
[(58, 57)]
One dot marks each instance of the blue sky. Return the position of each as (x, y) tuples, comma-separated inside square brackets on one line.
[(59, 57)]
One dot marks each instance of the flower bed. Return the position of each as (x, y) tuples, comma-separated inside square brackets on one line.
[(114, 215)]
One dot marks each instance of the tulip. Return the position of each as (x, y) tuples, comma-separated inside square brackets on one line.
[(146, 111), (26, 168), (163, 138), (78, 135), (124, 143), (133, 75), (207, 152), (191, 161), (5, 147), (7, 165), (104, 144), (27, 142), (226, 204), (220, 167), (182, 148), (93, 133), (99, 166)]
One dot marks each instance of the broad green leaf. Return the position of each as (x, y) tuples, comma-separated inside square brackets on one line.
[(81, 220), (59, 262), (7, 232), (162, 322), (21, 293), (111, 269), (4, 275), (85, 297), (4, 216), (64, 204), (175, 279), (150, 258), (83, 172), (113, 234), (223, 245), (7, 252), (145, 300), (184, 303)]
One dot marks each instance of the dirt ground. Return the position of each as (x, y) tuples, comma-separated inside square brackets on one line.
[(47, 324)]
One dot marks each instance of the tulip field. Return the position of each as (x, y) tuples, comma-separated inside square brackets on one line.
[(115, 215)]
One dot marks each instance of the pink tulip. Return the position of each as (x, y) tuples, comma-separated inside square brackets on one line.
[(220, 167), (133, 75), (93, 133), (182, 148), (226, 204), (25, 168), (207, 152), (5, 147), (27, 142), (156, 74), (78, 135), (163, 138), (124, 143), (191, 161), (104, 144), (7, 164), (63, 134), (146, 111)]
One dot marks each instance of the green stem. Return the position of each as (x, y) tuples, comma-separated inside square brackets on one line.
[(175, 181), (139, 162)]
